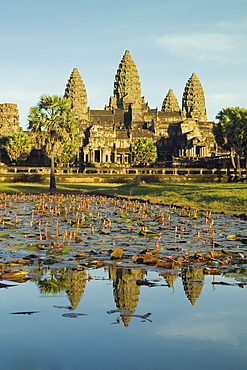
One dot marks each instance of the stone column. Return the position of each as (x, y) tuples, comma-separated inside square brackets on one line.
[(102, 156), (91, 160)]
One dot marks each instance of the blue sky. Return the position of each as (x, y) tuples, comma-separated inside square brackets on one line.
[(42, 41)]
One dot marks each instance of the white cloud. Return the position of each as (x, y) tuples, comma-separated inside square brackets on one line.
[(216, 327), (206, 46), (233, 26)]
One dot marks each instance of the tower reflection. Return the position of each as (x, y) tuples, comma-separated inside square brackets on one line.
[(192, 279), (125, 290)]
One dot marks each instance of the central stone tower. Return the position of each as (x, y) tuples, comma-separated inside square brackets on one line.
[(127, 87)]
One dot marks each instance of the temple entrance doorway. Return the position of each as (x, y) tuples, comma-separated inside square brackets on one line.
[(97, 156)]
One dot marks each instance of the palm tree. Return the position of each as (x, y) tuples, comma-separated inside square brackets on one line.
[(53, 125), (52, 281), (231, 132)]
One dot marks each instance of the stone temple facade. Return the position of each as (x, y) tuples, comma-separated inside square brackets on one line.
[(107, 135)]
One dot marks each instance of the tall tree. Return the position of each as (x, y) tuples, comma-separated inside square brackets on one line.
[(231, 132), (144, 151), (69, 152), (53, 126), (18, 146)]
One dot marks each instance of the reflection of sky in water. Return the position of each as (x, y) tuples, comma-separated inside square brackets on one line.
[(210, 334)]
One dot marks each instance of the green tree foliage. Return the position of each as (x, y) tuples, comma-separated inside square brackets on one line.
[(18, 146), (144, 151), (231, 132), (54, 128), (69, 151), (55, 281), (52, 282)]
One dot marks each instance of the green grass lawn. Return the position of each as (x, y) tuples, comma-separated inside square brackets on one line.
[(230, 198), (43, 188)]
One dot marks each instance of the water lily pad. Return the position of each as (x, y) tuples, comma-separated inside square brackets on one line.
[(4, 236)]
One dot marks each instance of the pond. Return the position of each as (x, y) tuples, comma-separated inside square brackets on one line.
[(96, 282)]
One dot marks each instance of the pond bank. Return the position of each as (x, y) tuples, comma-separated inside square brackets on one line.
[(227, 198), (218, 198)]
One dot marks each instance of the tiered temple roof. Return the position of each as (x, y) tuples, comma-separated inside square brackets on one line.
[(170, 103)]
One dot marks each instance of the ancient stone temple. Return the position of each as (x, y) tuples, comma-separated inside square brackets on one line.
[(109, 134)]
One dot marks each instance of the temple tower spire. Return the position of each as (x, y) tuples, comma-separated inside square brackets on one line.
[(193, 102), (170, 103), (75, 91), (127, 86)]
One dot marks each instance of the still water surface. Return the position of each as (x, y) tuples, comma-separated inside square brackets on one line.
[(192, 323), (210, 333)]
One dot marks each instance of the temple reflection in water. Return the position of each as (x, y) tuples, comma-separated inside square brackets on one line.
[(77, 283), (125, 289), (192, 279)]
